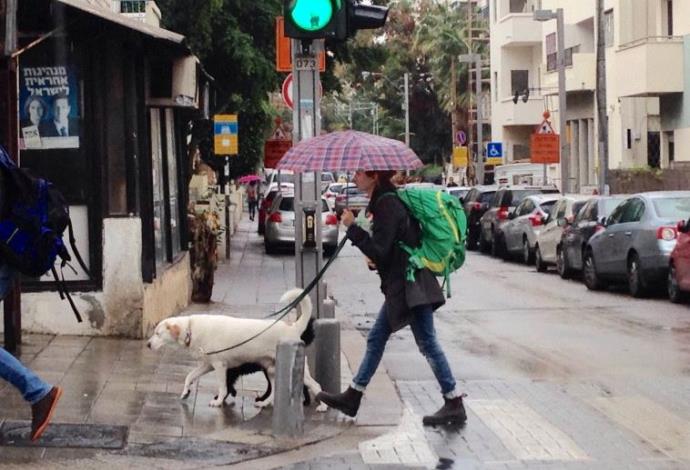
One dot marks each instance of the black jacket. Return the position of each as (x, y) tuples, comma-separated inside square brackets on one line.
[(392, 223)]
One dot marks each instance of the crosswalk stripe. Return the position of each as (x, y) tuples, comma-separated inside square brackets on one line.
[(652, 422), (526, 434)]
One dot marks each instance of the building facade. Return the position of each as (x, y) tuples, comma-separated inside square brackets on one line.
[(128, 90), (646, 81)]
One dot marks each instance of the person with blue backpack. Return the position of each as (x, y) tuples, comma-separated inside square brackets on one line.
[(409, 300)]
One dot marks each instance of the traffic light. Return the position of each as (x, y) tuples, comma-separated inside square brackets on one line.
[(312, 19), (358, 16)]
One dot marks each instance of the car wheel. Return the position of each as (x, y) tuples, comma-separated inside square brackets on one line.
[(562, 264), (676, 295), (497, 246), (484, 246), (329, 250), (527, 253), (261, 228), (270, 249), (636, 283), (538, 260), (591, 278), (471, 242)]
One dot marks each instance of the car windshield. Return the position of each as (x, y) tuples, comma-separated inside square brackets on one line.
[(546, 206), (676, 208), (487, 196), (287, 204), (577, 206), (609, 205), (354, 192), (335, 188), (520, 194)]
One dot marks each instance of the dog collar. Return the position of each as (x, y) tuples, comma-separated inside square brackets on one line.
[(188, 338)]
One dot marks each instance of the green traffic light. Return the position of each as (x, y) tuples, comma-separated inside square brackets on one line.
[(311, 15)]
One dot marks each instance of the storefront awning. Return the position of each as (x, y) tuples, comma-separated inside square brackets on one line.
[(111, 16)]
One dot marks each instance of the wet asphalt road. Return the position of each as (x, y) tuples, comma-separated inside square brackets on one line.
[(556, 376)]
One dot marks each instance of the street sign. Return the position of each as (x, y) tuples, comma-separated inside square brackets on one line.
[(494, 153), (545, 144), (460, 138), (284, 49), (225, 131), (287, 91), (460, 157)]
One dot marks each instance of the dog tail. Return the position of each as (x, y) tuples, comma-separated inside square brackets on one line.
[(304, 308)]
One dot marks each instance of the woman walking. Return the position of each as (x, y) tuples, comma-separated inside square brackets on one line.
[(406, 303)]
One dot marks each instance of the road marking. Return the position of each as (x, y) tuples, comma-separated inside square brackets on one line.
[(652, 422), (524, 432), (407, 445)]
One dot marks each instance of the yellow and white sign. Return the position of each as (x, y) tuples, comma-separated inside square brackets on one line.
[(225, 134), (460, 157)]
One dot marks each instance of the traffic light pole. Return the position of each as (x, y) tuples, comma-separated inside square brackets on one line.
[(306, 118)]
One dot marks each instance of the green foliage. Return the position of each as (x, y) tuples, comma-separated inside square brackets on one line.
[(234, 39)]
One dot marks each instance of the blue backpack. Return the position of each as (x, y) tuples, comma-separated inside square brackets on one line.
[(33, 217)]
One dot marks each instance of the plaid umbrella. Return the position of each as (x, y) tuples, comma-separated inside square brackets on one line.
[(249, 179), (349, 151)]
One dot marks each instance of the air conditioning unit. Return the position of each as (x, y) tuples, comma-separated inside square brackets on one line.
[(185, 91)]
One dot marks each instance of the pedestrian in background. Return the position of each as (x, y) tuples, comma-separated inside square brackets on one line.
[(41, 396), (252, 199), (406, 303)]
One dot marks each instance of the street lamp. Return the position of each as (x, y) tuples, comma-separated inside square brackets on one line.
[(406, 104), (477, 60), (546, 15)]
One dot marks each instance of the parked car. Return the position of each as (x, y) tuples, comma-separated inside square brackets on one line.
[(280, 225), (475, 203), (332, 192), (282, 176), (352, 198), (636, 245), (503, 203), (589, 220), (267, 200), (327, 178), (549, 239), (458, 191), (520, 232), (678, 283)]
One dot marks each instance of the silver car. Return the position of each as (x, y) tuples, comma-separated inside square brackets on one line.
[(525, 223), (352, 198), (280, 225), (636, 245), (549, 239)]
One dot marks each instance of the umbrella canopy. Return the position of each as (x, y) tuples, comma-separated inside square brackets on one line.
[(349, 151), (246, 179)]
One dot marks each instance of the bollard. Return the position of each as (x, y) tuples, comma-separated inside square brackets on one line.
[(328, 309), (288, 412), (327, 346)]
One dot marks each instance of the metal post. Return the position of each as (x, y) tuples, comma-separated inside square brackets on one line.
[(327, 345), (602, 118), (562, 106), (306, 124), (288, 411), (407, 109), (480, 126)]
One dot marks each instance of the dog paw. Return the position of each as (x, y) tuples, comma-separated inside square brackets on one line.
[(322, 408), (185, 394), (215, 403), (263, 404)]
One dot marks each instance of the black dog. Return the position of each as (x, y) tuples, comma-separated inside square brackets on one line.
[(231, 375)]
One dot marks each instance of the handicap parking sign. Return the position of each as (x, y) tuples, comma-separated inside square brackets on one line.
[(494, 149)]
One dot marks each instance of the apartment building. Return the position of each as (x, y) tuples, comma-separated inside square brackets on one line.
[(646, 77)]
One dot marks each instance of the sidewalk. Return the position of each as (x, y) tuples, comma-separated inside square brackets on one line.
[(121, 405)]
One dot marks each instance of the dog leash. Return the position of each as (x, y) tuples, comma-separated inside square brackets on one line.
[(285, 310)]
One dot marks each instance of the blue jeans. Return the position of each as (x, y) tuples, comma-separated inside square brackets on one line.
[(29, 384), (424, 335)]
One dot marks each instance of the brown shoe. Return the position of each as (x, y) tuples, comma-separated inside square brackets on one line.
[(42, 411)]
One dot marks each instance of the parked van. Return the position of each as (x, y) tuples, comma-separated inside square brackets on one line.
[(531, 174)]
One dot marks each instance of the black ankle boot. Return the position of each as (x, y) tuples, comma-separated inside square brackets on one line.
[(346, 402), (452, 411)]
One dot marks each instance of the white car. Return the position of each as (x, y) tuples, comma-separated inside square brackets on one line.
[(549, 238)]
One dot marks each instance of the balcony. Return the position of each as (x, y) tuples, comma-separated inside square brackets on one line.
[(517, 30), (580, 76), (651, 66), (507, 113)]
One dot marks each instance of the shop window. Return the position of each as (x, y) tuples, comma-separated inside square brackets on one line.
[(173, 193), (159, 209)]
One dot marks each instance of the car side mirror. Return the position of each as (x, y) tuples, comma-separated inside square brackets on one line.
[(511, 215), (603, 221)]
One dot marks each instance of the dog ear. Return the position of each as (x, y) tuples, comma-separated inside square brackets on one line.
[(174, 331)]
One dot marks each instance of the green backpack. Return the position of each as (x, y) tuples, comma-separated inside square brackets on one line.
[(443, 232)]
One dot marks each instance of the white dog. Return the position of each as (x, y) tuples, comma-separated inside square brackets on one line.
[(203, 334)]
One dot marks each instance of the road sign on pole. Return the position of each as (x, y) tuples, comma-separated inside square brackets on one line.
[(284, 49), (225, 134), (494, 153)]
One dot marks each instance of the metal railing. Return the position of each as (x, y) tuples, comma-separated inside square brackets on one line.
[(132, 6)]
